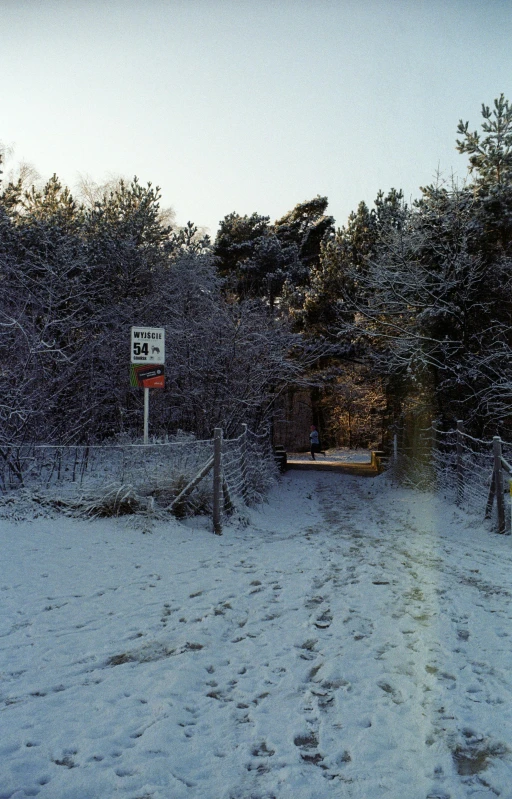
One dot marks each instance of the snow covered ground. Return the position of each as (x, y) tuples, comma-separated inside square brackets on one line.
[(353, 640)]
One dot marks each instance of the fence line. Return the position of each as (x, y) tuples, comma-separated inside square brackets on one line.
[(468, 470), (111, 479)]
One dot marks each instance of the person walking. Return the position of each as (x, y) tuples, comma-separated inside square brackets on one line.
[(314, 440)]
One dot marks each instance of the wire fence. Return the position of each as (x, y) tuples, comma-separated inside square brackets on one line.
[(463, 468), (249, 466), (125, 477)]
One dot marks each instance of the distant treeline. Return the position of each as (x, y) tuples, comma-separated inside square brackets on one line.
[(417, 298), (403, 309)]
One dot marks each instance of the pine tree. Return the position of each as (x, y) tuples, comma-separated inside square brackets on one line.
[(490, 155)]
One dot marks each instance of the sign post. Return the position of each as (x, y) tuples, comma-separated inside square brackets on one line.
[(147, 364), (146, 414)]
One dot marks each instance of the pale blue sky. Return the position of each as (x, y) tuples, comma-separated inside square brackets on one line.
[(238, 105)]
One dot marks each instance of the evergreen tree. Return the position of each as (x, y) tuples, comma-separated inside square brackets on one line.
[(236, 240), (490, 155), (336, 286), (272, 261), (305, 227)]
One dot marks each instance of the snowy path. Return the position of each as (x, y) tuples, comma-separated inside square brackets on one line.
[(354, 640)]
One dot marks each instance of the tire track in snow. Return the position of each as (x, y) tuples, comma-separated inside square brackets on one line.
[(444, 676)]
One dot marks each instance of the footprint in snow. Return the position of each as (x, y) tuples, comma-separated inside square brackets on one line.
[(262, 750), (313, 602), (307, 744), (393, 693), (323, 622)]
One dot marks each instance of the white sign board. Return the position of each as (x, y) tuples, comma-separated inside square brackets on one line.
[(148, 345)]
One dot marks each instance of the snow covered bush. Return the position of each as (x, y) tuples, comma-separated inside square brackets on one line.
[(76, 277)]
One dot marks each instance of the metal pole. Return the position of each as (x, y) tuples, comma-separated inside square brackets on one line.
[(146, 414), (498, 477), (217, 480)]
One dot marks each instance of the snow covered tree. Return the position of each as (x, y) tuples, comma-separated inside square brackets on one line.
[(424, 295), (235, 244), (260, 259), (302, 232), (353, 404), (76, 277), (491, 155), (334, 284), (435, 321), (306, 226)]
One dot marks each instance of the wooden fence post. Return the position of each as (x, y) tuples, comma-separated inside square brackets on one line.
[(243, 459), (217, 480), (460, 463), (498, 478), (490, 498), (394, 458)]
